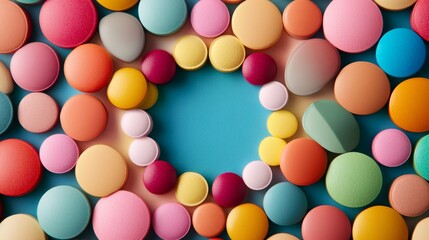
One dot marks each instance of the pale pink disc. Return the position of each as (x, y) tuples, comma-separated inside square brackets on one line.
[(210, 18), (391, 147), (59, 153), (273, 96), (38, 112), (136, 123), (171, 221)]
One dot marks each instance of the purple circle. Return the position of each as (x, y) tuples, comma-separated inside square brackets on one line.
[(171, 221), (229, 190), (158, 66), (159, 177), (259, 68)]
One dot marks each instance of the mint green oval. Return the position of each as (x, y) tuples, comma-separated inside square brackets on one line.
[(63, 212), (353, 179), (421, 157)]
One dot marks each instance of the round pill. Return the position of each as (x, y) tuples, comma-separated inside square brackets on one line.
[(258, 24), (419, 18), (117, 5), (394, 5), (158, 66), (88, 68), (143, 151), (353, 179), (421, 230), (391, 147), (190, 52), (282, 124), (162, 17), (326, 222), (273, 96), (400, 52), (58, 22), (302, 19), (247, 221), (15, 27), (159, 177), (59, 153), (121, 215), (421, 158), (6, 109), (409, 195), (192, 189), (21, 226), (122, 35), (210, 18), (282, 236), (31, 76), (209, 220), (285, 204), (408, 105), (38, 112), (352, 26), (150, 98), (259, 68), (362, 79), (226, 53), (171, 221), (21, 169), (136, 123), (257, 175), (127, 88), (228, 190), (6, 81), (83, 117), (379, 222), (63, 212), (303, 162), (101, 170), (270, 149)]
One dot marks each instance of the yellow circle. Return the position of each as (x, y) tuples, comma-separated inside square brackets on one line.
[(282, 124), (150, 98), (190, 52), (101, 170), (21, 227), (116, 5), (379, 223), (271, 149), (127, 88), (227, 53), (282, 236), (421, 231), (394, 5), (192, 189), (247, 221), (258, 24)]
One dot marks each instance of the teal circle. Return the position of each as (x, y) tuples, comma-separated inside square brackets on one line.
[(6, 110), (162, 17), (353, 179), (285, 204), (421, 157), (29, 1), (63, 212)]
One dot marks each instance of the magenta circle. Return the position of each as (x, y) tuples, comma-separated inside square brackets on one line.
[(158, 66), (159, 177), (259, 68), (229, 190)]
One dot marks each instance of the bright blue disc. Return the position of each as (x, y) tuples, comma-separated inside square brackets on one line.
[(400, 52), (285, 204), (6, 112), (162, 17)]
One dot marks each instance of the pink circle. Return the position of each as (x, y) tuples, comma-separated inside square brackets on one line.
[(136, 123), (420, 18), (69, 23), (59, 153), (259, 68), (171, 221), (159, 177), (121, 215), (257, 175), (352, 26), (210, 18), (229, 190), (38, 112), (391, 147), (158, 66), (35, 67), (273, 96)]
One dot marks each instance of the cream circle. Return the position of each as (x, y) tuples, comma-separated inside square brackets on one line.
[(273, 96), (143, 151), (136, 123), (257, 175)]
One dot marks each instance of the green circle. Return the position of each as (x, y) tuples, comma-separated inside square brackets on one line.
[(354, 179), (63, 212), (421, 157)]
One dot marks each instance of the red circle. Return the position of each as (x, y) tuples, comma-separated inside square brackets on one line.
[(20, 169), (159, 177), (228, 190), (259, 68), (158, 66)]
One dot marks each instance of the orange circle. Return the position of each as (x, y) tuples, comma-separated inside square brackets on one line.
[(83, 117), (209, 220), (14, 27), (302, 18), (88, 68)]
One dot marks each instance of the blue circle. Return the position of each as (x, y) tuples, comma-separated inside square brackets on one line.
[(162, 17), (285, 204), (6, 110), (400, 52)]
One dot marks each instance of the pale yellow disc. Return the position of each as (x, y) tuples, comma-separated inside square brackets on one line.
[(21, 227), (192, 189), (421, 231), (395, 5), (190, 52), (271, 149), (227, 53), (282, 124), (150, 98), (282, 236)]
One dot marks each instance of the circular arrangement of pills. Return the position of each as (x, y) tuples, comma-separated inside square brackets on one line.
[(136, 123), (143, 151), (228, 190), (391, 147), (6, 109), (101, 170), (257, 175), (247, 221), (171, 221), (227, 53), (150, 98), (209, 219), (121, 215), (395, 5), (117, 5), (6, 83), (273, 96), (63, 212), (158, 66), (419, 18), (38, 112), (31, 76), (58, 22), (282, 124), (159, 177), (59, 153), (302, 19), (12, 228), (210, 18), (192, 189), (259, 68), (190, 52), (15, 27), (270, 150), (420, 158), (421, 230)]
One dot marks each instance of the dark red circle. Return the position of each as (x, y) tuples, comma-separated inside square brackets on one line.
[(228, 190), (158, 66), (159, 177), (259, 68)]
